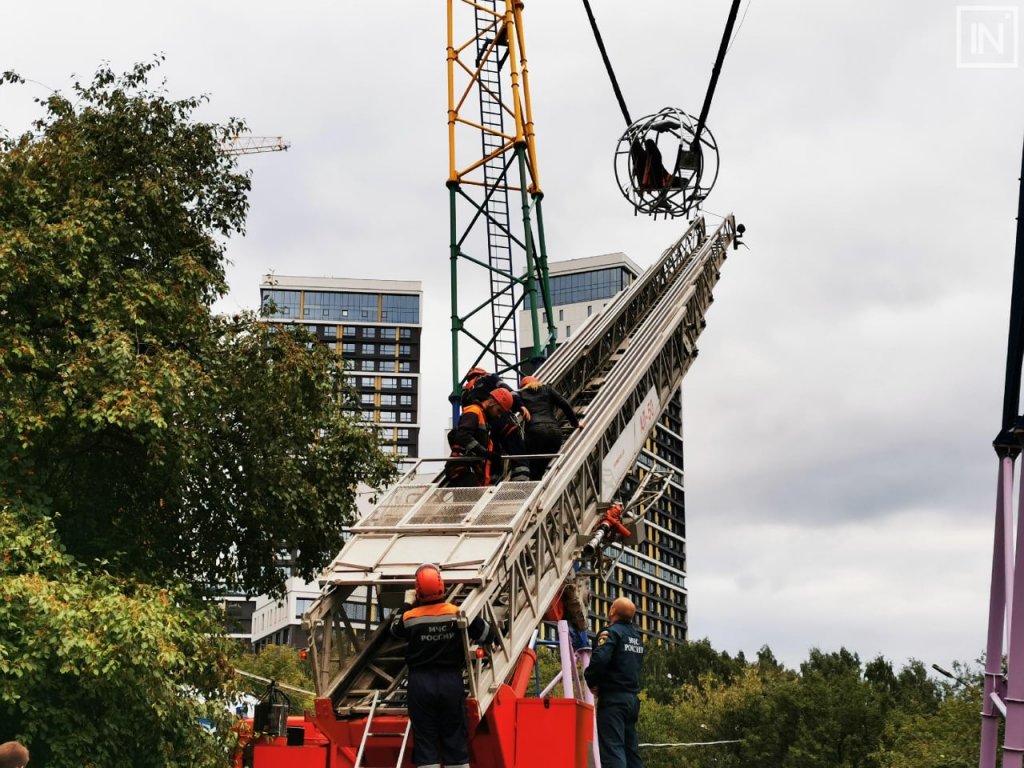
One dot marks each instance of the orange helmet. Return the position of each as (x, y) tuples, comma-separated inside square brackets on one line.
[(528, 380), (503, 398), (475, 373), (429, 584)]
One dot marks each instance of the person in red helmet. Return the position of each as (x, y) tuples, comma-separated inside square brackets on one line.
[(543, 432), (436, 660), (483, 427)]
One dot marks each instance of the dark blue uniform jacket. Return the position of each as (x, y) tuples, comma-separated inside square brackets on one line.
[(616, 661)]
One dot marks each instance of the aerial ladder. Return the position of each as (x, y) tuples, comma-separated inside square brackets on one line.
[(506, 550)]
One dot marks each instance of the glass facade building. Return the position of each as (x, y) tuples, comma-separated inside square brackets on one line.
[(591, 285), (375, 327)]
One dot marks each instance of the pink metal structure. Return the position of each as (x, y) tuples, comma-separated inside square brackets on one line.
[(1004, 692)]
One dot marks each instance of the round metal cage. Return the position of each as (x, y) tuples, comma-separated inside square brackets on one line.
[(658, 167)]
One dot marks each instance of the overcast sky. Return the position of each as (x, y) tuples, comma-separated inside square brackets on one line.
[(840, 480)]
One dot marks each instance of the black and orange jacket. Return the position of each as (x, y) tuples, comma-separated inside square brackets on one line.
[(472, 430), (432, 633)]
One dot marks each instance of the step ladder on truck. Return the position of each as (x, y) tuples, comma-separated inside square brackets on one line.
[(507, 550)]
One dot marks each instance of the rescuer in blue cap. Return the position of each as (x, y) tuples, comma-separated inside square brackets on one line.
[(614, 674)]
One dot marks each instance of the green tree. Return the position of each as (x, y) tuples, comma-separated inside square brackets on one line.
[(148, 448), (174, 444), (946, 737), (280, 663), (100, 671), (666, 667)]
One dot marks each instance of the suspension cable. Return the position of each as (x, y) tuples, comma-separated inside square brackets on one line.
[(722, 49), (607, 63)]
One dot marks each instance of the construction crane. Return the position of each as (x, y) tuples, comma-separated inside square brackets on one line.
[(497, 248), (253, 145)]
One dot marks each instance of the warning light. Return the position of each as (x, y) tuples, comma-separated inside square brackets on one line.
[(303, 654), (480, 653)]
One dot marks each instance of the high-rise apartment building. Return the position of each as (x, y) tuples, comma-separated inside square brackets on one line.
[(375, 327), (653, 573)]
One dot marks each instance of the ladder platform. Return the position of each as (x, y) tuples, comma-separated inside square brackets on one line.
[(464, 530)]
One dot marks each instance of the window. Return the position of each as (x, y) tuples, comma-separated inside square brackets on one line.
[(302, 604), (387, 365), (331, 331), (402, 434), (368, 382), (366, 365), (369, 332), (332, 345), (405, 416), (387, 383), (405, 333), (366, 399), (405, 399), (387, 333), (280, 303), (388, 416), (568, 331), (400, 308), (561, 314), (335, 305), (367, 349), (587, 286), (406, 383), (404, 367), (590, 309), (350, 330), (387, 350), (402, 450), (387, 400), (405, 350), (348, 348), (311, 329)]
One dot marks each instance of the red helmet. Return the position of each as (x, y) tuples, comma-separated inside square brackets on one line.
[(429, 584), (503, 398), (528, 380)]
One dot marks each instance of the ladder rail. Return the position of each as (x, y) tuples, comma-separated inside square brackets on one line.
[(528, 578), (575, 361), (366, 732)]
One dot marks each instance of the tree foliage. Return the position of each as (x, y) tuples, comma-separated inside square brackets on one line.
[(96, 670), (834, 712), (150, 450), (175, 444), (282, 664)]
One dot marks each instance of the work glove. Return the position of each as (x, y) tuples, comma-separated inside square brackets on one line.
[(475, 449)]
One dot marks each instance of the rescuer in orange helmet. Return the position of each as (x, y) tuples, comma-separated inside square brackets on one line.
[(543, 432), (483, 426), (436, 660)]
